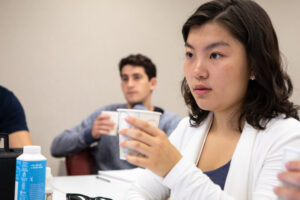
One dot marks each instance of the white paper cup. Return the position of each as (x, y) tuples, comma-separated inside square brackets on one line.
[(148, 116), (113, 117), (289, 154)]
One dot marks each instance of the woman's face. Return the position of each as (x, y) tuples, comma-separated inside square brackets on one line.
[(216, 68)]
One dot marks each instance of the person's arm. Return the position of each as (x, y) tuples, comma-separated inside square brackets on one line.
[(148, 185), (290, 177), (75, 139), (13, 121), (185, 180), (81, 136), (168, 122), (19, 139)]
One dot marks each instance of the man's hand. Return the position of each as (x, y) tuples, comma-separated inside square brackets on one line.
[(102, 125), (291, 180)]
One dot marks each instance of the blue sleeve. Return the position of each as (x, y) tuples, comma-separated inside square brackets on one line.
[(79, 137), (168, 122)]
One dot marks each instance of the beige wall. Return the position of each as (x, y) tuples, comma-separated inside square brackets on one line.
[(60, 56)]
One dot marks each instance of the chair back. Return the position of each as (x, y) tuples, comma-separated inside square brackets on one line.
[(82, 163)]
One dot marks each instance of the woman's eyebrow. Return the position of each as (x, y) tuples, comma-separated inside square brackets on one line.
[(188, 45), (210, 46), (216, 44)]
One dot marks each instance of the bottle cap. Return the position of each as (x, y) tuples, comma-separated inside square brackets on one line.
[(31, 149)]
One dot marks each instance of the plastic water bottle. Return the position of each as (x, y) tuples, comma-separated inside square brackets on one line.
[(49, 188), (30, 174)]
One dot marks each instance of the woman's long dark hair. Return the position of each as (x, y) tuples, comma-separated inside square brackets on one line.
[(268, 95)]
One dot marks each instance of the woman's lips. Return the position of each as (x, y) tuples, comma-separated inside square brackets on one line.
[(201, 90)]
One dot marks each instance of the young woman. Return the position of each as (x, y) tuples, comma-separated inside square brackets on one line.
[(231, 145)]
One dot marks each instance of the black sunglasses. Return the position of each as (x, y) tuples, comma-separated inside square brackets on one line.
[(74, 196)]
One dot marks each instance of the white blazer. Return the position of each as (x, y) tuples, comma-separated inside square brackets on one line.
[(253, 171)]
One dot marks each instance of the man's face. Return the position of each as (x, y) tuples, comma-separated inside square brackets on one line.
[(136, 86)]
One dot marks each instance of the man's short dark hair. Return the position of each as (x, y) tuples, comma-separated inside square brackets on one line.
[(139, 60)]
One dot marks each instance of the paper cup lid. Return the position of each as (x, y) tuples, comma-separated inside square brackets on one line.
[(138, 111)]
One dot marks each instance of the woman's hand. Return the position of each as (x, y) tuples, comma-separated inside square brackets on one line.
[(160, 155), (291, 180)]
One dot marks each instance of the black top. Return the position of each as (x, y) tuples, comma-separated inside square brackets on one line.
[(12, 116), (218, 176)]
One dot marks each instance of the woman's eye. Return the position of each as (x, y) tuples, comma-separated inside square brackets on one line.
[(215, 56), (189, 55)]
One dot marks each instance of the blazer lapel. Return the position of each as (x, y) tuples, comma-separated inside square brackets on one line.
[(194, 149), (237, 181)]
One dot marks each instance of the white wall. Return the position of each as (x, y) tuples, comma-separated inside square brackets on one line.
[(60, 57)]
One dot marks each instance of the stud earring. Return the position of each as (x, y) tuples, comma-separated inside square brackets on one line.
[(252, 77)]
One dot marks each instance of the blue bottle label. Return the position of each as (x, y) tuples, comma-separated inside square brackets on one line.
[(30, 180)]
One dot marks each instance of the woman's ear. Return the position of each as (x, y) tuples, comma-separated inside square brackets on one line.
[(252, 75)]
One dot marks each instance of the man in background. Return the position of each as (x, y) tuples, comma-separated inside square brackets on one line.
[(13, 120), (138, 81)]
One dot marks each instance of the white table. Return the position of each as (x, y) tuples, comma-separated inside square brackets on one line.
[(115, 185)]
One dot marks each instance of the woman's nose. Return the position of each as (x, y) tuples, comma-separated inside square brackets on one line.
[(200, 70)]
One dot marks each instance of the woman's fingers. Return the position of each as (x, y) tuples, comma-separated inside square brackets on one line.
[(143, 125), (160, 154), (290, 177), (138, 160), (293, 165), (137, 146), (287, 193), (135, 134)]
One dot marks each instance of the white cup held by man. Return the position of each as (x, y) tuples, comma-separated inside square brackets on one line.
[(148, 116), (114, 118)]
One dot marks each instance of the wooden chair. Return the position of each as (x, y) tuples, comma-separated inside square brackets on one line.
[(81, 163)]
